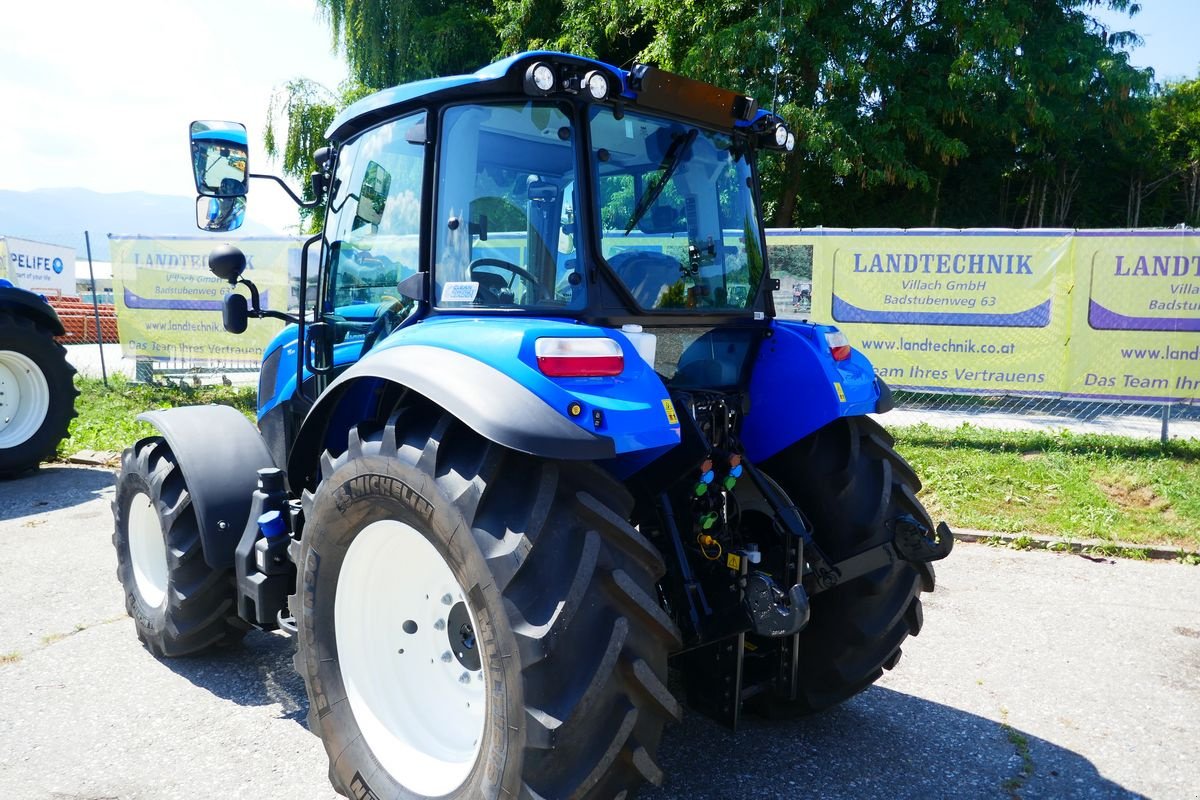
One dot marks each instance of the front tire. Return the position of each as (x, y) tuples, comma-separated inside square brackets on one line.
[(851, 483), (179, 604), (567, 691), (37, 394)]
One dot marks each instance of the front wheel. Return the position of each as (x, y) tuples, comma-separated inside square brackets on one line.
[(476, 623), (37, 394), (179, 604)]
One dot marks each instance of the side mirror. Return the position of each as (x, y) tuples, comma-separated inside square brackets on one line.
[(227, 263), (235, 313), (220, 214), (219, 158)]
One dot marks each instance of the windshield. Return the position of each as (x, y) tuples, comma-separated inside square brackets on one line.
[(506, 208), (375, 217), (678, 219)]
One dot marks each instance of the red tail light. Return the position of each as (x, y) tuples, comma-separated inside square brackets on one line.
[(579, 357), (839, 345)]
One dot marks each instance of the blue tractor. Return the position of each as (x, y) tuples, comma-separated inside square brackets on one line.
[(533, 438)]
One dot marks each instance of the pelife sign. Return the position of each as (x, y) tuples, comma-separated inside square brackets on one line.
[(37, 266)]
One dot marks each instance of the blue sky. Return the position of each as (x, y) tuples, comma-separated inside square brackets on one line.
[(1171, 30), (99, 95)]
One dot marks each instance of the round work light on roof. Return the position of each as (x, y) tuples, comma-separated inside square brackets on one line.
[(540, 78), (596, 85), (791, 142), (781, 135)]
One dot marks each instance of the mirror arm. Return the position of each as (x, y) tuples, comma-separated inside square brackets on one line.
[(254, 305), (295, 197), (289, 318), (258, 312)]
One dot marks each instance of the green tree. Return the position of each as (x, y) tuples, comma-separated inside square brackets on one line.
[(386, 43), (1175, 119), (908, 112), (389, 42)]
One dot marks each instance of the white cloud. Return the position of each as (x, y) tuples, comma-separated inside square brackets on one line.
[(99, 95)]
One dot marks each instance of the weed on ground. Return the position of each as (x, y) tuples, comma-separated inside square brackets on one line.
[(107, 416), (1074, 486), (1077, 486)]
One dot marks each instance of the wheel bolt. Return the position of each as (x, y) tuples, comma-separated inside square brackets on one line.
[(464, 678), (447, 599), (447, 656), (440, 625)]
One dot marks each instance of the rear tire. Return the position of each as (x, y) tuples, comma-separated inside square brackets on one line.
[(37, 394), (571, 641), (851, 483), (179, 604)]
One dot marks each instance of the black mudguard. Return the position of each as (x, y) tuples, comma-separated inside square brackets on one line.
[(491, 403), (29, 305), (220, 453)]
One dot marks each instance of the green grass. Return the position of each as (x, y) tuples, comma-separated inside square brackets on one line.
[(1078, 486), (107, 416)]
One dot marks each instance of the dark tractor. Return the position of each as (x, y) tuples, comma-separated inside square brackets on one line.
[(37, 384), (537, 438)]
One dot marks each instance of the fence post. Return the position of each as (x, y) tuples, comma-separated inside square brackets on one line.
[(1166, 416), (96, 308)]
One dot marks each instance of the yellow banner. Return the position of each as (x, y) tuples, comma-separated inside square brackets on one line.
[(169, 304), (967, 311), (1136, 316)]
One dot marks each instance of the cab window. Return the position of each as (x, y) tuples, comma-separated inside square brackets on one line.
[(505, 216), (375, 217)]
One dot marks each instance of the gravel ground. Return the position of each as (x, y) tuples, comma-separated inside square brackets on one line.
[(1038, 675)]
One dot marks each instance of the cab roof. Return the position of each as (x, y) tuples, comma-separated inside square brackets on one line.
[(505, 76)]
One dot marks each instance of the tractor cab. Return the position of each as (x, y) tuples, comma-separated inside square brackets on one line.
[(551, 185), (545, 186)]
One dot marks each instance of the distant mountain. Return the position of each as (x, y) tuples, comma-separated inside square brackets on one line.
[(60, 216)]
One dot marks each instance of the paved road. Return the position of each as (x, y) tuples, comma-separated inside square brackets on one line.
[(1038, 675)]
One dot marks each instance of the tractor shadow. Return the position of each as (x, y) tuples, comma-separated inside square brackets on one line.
[(52, 488), (881, 743), (256, 672)]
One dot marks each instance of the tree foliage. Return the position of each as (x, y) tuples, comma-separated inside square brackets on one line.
[(908, 112)]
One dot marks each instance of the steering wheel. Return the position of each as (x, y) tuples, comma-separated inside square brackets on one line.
[(504, 265)]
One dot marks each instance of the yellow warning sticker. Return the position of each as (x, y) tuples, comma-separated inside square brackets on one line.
[(669, 407), (841, 394), (733, 561)]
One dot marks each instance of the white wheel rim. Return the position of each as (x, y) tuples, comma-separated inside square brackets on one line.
[(420, 709), (24, 398), (147, 550)]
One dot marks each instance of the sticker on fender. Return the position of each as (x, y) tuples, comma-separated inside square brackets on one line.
[(669, 407), (841, 394)]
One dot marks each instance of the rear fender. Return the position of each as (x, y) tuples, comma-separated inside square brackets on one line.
[(796, 387), (220, 454), (484, 372), (486, 400)]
